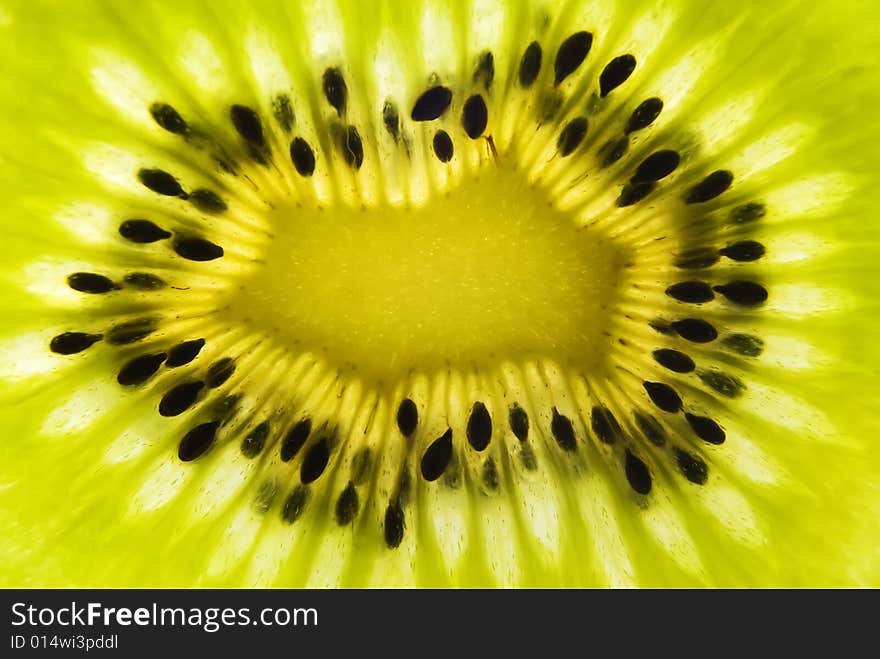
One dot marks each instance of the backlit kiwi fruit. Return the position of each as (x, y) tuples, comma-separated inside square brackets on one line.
[(439, 293)]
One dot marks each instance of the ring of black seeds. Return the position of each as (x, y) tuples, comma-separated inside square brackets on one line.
[(310, 454)]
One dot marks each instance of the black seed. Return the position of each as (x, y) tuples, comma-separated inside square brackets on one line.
[(144, 281), (360, 465), (351, 147), (197, 249), (614, 150), (142, 231), (644, 115), (253, 444), (295, 439), (710, 187), (315, 461), (724, 384), (674, 360), (295, 504), (697, 258), (694, 292), (658, 165), (484, 73), (563, 431), (266, 496), (632, 193), (140, 369), (70, 343), (651, 428), (197, 441), (474, 116), (247, 123), (302, 156), (747, 213), (180, 398), (490, 474), (219, 372), (347, 505), (184, 353), (131, 331), (571, 53), (161, 182), (527, 457), (207, 201), (479, 427), (693, 468), (394, 525), (744, 293), (282, 110), (443, 146), (572, 135), (519, 422), (391, 119), (437, 456), (695, 330), (335, 89), (168, 118), (89, 282), (744, 250), (615, 73), (407, 417), (432, 104), (604, 424), (706, 429), (530, 65), (663, 396), (637, 474), (744, 344)]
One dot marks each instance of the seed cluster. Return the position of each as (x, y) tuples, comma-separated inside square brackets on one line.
[(310, 446)]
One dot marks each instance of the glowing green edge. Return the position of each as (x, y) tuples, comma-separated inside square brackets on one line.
[(49, 108)]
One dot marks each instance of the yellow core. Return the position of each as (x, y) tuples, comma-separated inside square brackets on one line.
[(487, 272)]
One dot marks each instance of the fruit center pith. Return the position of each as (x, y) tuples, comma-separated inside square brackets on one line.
[(490, 271)]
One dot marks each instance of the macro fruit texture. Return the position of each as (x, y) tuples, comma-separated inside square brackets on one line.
[(439, 293)]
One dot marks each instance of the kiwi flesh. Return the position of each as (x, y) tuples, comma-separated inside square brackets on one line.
[(439, 294)]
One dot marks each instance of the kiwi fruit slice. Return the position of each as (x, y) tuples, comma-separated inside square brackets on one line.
[(439, 293)]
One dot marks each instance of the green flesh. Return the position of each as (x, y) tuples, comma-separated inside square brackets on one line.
[(510, 277)]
